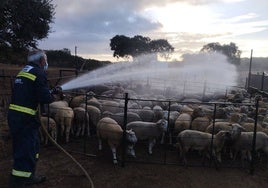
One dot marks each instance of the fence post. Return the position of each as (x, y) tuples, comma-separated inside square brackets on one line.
[(124, 132), (253, 151), (212, 136), (262, 81), (204, 89), (85, 118), (168, 133)]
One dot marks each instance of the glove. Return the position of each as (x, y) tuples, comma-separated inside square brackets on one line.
[(56, 90)]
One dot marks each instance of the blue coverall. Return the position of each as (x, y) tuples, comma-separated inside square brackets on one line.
[(30, 89)]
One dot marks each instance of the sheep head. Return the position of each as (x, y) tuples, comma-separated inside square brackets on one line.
[(163, 124), (131, 136), (132, 139), (236, 130)]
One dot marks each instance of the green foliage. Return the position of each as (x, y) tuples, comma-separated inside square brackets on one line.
[(230, 50), (126, 47), (24, 22), (56, 58), (63, 58)]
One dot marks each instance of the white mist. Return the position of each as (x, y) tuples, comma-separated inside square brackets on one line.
[(197, 71)]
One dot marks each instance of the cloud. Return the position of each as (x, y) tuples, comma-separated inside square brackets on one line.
[(90, 24)]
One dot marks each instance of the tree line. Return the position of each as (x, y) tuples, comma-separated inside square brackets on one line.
[(24, 22)]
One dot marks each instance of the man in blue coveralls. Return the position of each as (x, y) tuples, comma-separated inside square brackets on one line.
[(29, 90)]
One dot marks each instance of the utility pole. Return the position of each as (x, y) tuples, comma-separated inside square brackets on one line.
[(249, 72), (75, 55)]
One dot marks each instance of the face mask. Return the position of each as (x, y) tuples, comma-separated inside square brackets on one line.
[(46, 66)]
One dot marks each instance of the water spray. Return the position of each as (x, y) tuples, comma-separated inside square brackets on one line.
[(196, 70)]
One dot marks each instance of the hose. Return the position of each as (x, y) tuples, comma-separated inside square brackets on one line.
[(64, 151)]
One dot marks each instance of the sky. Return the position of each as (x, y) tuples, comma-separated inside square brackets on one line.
[(188, 25)]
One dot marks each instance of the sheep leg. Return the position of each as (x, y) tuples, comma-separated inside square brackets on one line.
[(249, 155), (170, 138), (87, 129), (163, 138), (114, 154), (54, 135), (62, 129), (46, 139), (151, 145), (83, 129), (131, 151), (100, 144), (183, 156), (78, 131), (67, 136)]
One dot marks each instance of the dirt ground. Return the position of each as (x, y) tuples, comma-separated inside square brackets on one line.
[(62, 172)]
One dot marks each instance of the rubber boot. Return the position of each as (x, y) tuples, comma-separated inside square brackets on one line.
[(16, 182), (35, 179)]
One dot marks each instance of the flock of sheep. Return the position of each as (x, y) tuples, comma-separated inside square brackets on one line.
[(220, 124)]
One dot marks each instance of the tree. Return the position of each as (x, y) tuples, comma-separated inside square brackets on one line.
[(24, 22), (230, 50), (125, 46)]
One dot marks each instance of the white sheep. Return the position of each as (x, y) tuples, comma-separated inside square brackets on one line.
[(201, 141), (200, 123), (242, 142), (55, 106), (219, 126), (77, 100), (81, 121), (94, 114), (146, 114), (112, 106), (183, 122), (109, 130), (149, 131), (171, 117), (158, 113), (119, 117), (50, 125), (64, 118)]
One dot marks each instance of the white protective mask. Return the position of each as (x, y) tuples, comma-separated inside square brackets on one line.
[(46, 64)]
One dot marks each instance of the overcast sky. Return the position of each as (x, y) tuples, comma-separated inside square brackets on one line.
[(186, 24)]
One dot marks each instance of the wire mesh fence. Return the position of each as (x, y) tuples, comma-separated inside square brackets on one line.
[(166, 148)]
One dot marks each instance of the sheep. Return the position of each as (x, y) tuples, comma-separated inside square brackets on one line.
[(94, 114), (77, 100), (197, 140), (81, 121), (242, 142), (112, 106), (182, 122), (158, 113), (186, 109), (148, 131), (219, 126), (146, 114), (119, 117), (64, 118), (50, 125), (249, 127), (175, 107), (55, 106), (200, 123), (94, 102), (171, 117), (109, 130)]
